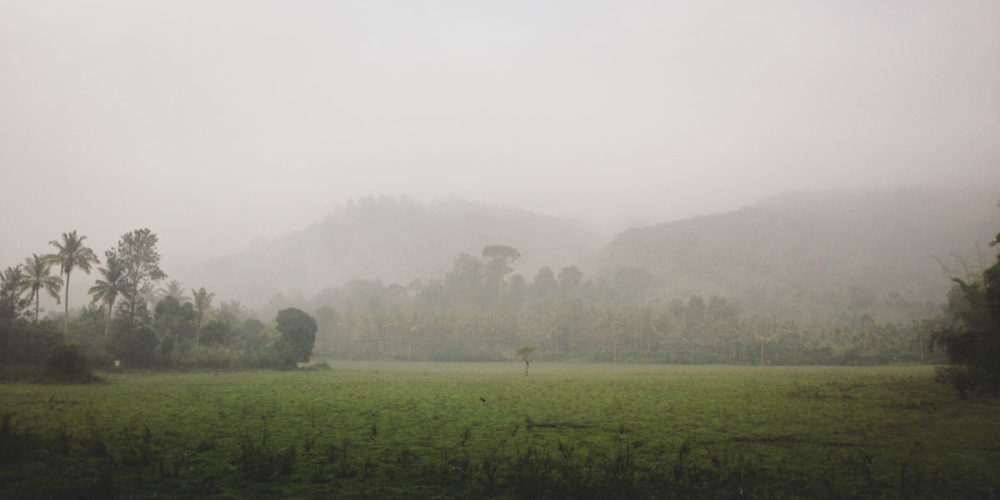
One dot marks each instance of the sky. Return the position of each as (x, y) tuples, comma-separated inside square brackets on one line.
[(218, 123)]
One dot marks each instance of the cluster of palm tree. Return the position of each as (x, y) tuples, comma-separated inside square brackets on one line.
[(71, 253)]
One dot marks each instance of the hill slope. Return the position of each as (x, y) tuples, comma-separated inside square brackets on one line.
[(392, 239), (882, 240)]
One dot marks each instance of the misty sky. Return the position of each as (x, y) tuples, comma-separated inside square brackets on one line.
[(213, 123)]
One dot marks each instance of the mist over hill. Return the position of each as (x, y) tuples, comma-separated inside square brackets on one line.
[(878, 241), (882, 241), (393, 239)]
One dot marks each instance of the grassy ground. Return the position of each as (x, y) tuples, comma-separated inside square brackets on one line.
[(410, 430)]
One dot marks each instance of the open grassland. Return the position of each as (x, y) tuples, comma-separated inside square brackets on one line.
[(409, 430)]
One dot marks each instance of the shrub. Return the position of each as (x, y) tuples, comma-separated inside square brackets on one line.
[(67, 364)]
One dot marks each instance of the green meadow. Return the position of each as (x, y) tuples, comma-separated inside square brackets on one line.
[(421, 430)]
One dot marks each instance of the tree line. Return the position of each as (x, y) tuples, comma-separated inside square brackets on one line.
[(130, 321), (480, 310)]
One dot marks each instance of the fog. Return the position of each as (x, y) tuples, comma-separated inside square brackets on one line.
[(215, 124)]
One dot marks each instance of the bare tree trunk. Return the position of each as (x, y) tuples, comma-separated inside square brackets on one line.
[(107, 325), (66, 316)]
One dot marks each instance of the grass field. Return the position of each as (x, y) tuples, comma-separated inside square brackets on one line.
[(405, 430)]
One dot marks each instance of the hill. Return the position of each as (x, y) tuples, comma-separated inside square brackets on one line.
[(880, 241), (392, 239)]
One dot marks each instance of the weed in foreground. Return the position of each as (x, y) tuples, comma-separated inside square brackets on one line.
[(259, 459)]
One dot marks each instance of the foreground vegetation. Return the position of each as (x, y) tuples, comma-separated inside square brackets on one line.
[(576, 431)]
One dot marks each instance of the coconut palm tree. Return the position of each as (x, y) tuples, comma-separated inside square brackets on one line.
[(202, 303), (108, 289), (173, 289), (36, 270), (72, 254)]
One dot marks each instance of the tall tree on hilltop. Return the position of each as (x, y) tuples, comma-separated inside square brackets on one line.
[(36, 269), (140, 262), (72, 253), (202, 303), (107, 290)]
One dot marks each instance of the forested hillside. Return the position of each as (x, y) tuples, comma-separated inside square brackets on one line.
[(395, 240), (868, 243)]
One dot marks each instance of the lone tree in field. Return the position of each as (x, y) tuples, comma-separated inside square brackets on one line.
[(526, 352), (972, 337), (298, 333), (72, 254)]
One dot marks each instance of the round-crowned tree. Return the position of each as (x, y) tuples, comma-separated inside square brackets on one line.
[(298, 333)]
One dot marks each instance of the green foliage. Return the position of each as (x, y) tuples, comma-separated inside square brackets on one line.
[(526, 353), (37, 278), (108, 289), (453, 320), (139, 262), (418, 430), (175, 320), (15, 442), (13, 305), (202, 304), (136, 347), (30, 343), (972, 339), (66, 364), (216, 332), (298, 335), (259, 459)]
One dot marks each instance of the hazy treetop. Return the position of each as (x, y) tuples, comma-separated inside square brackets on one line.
[(216, 122)]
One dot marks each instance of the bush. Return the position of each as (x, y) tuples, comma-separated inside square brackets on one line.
[(972, 339), (66, 364), (298, 333), (283, 356)]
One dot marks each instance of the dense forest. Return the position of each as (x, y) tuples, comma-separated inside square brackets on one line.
[(480, 310)]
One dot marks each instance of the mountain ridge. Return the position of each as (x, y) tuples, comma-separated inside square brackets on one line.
[(393, 239), (882, 239)]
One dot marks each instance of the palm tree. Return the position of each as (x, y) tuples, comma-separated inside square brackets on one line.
[(202, 303), (72, 253), (108, 289), (36, 269), (173, 289)]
